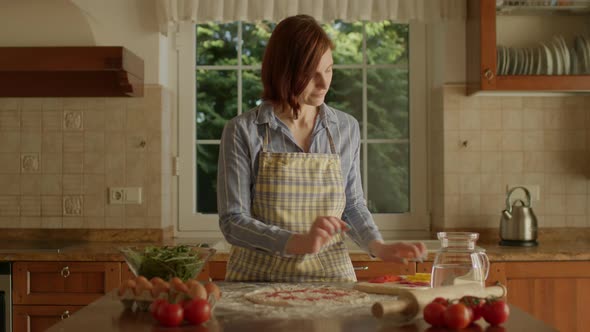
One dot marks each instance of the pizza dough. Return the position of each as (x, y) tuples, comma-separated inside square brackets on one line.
[(304, 295)]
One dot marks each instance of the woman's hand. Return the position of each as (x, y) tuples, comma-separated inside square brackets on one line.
[(321, 232), (398, 252)]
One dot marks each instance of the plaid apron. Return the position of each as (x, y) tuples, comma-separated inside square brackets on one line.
[(293, 189)]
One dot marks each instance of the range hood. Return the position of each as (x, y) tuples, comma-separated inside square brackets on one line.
[(93, 71)]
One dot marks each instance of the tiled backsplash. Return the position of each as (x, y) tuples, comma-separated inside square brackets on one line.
[(58, 156), (488, 142)]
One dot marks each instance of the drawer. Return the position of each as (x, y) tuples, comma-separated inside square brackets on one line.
[(57, 283), (38, 318)]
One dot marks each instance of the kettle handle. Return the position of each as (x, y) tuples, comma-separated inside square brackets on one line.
[(528, 198)]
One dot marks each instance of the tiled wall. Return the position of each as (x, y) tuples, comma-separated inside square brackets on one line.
[(58, 156), (488, 142)]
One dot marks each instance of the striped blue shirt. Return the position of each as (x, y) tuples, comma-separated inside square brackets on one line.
[(241, 143)]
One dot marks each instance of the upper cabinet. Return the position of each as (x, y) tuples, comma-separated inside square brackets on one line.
[(528, 45)]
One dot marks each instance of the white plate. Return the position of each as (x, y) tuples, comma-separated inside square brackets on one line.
[(539, 53), (586, 53), (514, 59), (548, 60), (581, 54), (499, 60), (575, 65), (565, 55), (556, 49), (505, 56)]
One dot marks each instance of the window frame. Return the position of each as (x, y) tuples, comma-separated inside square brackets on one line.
[(190, 223)]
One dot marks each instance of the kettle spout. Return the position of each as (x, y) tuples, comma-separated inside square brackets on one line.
[(507, 214)]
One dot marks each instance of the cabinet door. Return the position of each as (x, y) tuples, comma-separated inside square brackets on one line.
[(554, 292), (38, 318), (53, 283), (369, 269), (217, 270)]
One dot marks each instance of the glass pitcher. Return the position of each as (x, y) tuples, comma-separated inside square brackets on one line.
[(458, 261)]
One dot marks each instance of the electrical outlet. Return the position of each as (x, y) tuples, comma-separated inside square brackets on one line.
[(534, 190), (125, 195)]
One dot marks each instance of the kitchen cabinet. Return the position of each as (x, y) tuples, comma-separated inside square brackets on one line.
[(519, 28), (46, 292), (38, 318), (554, 292)]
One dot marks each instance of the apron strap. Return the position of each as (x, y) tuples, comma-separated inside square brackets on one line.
[(266, 139), (332, 145)]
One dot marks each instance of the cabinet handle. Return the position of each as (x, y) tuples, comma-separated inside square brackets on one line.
[(65, 314), (65, 272), (361, 268), (488, 74)]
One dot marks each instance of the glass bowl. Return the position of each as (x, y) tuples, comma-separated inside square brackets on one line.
[(167, 262)]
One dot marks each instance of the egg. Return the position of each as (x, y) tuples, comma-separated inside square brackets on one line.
[(159, 289), (179, 286), (142, 285), (197, 291), (213, 289), (127, 285)]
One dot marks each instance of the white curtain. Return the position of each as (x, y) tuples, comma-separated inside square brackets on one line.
[(174, 11)]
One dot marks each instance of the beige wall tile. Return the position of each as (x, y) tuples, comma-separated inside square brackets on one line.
[(575, 205), (9, 141), (533, 119), (51, 162), (554, 119), (73, 142), (51, 222), (136, 210), (512, 141), (114, 222), (512, 102), (112, 210), (10, 104), (52, 142), (52, 120), (30, 206), (136, 169), (51, 184), (94, 163), (115, 142), (470, 184), (94, 222), (31, 184), (490, 103), (491, 163), (491, 119), (73, 163), (451, 119), (10, 184), (9, 222), (491, 140), (30, 141), (94, 205), (73, 222), (576, 184), (154, 205), (10, 120), (469, 140), (72, 184), (533, 140), (469, 119), (534, 161), (135, 222), (46, 104), (555, 205), (493, 204), (115, 118), (94, 119), (94, 141), (575, 221), (9, 163), (555, 184), (512, 119), (30, 222), (512, 162), (469, 205), (469, 162), (154, 142), (32, 120), (51, 206), (491, 184), (94, 184), (115, 169), (9, 206)]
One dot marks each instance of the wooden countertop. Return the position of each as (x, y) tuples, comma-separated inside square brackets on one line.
[(108, 314), (558, 250)]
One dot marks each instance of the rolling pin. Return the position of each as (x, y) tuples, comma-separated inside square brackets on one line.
[(411, 302)]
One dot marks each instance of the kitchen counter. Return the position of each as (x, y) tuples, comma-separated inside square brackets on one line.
[(557, 250), (108, 314)]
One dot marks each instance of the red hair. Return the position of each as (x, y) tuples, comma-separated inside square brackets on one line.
[(292, 55)]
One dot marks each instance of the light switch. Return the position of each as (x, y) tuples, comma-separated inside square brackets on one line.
[(125, 195)]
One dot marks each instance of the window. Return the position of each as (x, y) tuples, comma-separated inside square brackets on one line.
[(374, 80)]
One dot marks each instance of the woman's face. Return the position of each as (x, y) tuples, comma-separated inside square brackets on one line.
[(316, 89)]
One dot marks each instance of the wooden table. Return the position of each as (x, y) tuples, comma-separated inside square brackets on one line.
[(108, 314)]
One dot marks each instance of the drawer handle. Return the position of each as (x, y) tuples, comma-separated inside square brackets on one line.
[(65, 272), (488, 74), (65, 314), (361, 268)]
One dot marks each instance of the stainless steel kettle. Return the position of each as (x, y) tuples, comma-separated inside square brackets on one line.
[(518, 225)]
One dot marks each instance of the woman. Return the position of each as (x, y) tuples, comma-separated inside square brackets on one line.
[(289, 183)]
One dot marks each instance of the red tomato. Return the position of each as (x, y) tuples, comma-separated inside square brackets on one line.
[(170, 314), (434, 314), (457, 316), (197, 311), (476, 305), (154, 307), (442, 301), (496, 312)]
